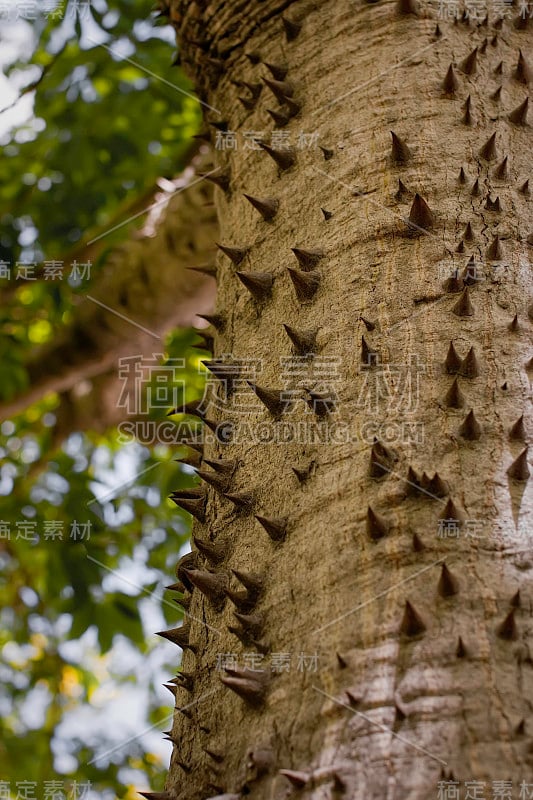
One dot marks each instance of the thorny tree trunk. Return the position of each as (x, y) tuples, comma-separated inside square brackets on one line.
[(406, 563)]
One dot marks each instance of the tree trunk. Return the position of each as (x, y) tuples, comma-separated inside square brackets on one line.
[(396, 541)]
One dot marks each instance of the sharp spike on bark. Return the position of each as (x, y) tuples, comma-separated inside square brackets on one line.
[(452, 512), (519, 114), (281, 118), (251, 685), (453, 361), (304, 341), (501, 172), (376, 525), (203, 136), (276, 527), (475, 191), (420, 216), (460, 247), (267, 206), (214, 479), (297, 779), (221, 125), (462, 175), (255, 89), (307, 259), (496, 95), (369, 325), (507, 629), (524, 188), (450, 83), (253, 57), (493, 205), (185, 680), (494, 251), (470, 274), (280, 89), (171, 688), (488, 151), (460, 651), (222, 466), (251, 623), (204, 269), (483, 46), (437, 33), (468, 65), (322, 403), (278, 71), (469, 233), (369, 357), (470, 366), (220, 178), (194, 507), (463, 307), (235, 254), (498, 69), (494, 40), (211, 584), (519, 469), (467, 116), (418, 544), (218, 321), (273, 399), (244, 501), (176, 587), (223, 370), (259, 284), (179, 636), (520, 728), (381, 460), (305, 283), (247, 102), (327, 152), (214, 755), (454, 397), (402, 190), (341, 661), (518, 430), (470, 429), (252, 582), (400, 152), (156, 795), (515, 600), (284, 158), (522, 71), (413, 483), (438, 487), (303, 474), (291, 28), (224, 430), (448, 584), (213, 551), (193, 408), (183, 602), (354, 698), (514, 325), (327, 214), (412, 624)]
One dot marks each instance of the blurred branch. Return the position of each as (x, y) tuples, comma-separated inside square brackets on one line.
[(144, 290)]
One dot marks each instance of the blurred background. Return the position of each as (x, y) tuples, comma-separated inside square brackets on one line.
[(95, 124)]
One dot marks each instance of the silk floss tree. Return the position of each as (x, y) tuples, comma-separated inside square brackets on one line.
[(368, 563)]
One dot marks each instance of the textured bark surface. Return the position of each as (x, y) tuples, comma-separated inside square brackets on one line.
[(423, 637)]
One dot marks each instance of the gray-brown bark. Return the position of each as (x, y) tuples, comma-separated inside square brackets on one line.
[(422, 628)]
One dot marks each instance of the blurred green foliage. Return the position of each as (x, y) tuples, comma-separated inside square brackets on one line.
[(87, 536)]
